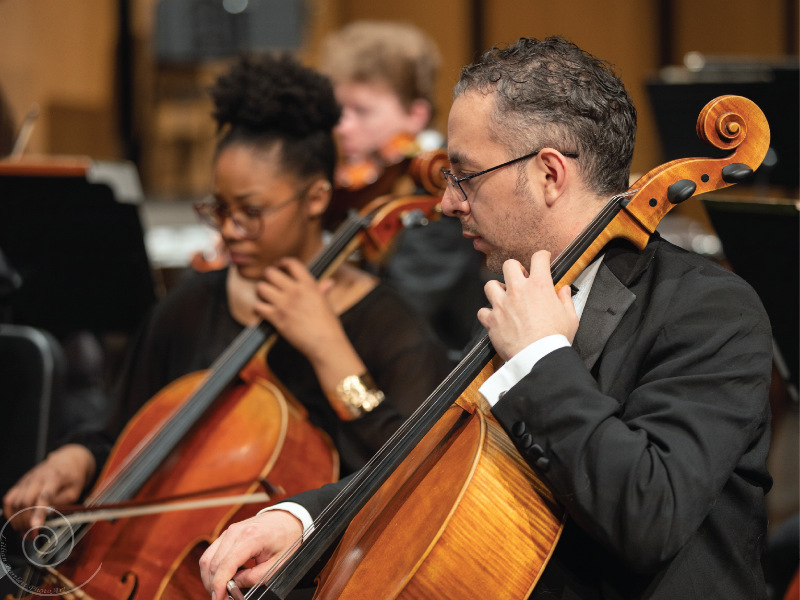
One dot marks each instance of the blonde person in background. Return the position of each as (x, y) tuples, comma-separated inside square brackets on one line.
[(384, 77)]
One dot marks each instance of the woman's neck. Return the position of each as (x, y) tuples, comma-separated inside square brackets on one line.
[(350, 285), (241, 297), (312, 243)]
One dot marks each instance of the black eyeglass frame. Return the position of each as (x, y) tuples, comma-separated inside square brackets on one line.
[(259, 213), (456, 181)]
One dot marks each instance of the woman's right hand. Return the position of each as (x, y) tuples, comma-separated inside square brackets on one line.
[(59, 479)]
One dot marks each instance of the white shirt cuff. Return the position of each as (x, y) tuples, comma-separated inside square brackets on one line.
[(296, 510), (520, 365)]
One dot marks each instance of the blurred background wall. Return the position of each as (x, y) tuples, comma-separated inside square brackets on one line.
[(90, 64)]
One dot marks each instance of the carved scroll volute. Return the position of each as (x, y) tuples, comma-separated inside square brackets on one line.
[(426, 171), (728, 123)]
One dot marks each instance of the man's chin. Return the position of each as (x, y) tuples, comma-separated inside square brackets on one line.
[(494, 262)]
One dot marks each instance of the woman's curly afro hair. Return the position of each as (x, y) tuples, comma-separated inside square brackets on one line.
[(266, 100)]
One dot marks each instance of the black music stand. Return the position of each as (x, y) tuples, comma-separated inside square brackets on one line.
[(761, 240), (72, 232)]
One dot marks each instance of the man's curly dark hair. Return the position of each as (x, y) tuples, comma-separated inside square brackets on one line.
[(550, 93), (266, 100)]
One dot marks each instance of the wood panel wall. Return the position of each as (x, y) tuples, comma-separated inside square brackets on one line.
[(62, 55), (731, 27), (623, 32)]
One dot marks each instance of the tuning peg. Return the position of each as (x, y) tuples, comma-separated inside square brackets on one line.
[(413, 218), (736, 173), (681, 190)]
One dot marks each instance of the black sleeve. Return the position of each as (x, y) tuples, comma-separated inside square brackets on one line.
[(181, 334), (315, 501), (143, 374), (407, 362), (641, 477)]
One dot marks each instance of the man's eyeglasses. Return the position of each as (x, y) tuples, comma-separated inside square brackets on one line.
[(248, 222), (455, 182)]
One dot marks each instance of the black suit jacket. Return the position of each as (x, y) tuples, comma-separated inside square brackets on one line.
[(653, 430)]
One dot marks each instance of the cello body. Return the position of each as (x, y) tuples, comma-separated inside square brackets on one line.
[(460, 495), (256, 431)]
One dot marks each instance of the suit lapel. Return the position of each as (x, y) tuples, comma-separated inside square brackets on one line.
[(607, 303)]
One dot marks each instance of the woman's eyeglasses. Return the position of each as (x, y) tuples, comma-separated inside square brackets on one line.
[(248, 222)]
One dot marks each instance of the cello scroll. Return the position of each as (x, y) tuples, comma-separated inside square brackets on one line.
[(727, 123)]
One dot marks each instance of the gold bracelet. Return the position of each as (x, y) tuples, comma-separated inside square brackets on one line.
[(354, 396)]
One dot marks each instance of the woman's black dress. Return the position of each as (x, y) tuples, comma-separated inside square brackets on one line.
[(190, 328)]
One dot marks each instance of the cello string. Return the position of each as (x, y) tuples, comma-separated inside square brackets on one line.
[(335, 508), (331, 511)]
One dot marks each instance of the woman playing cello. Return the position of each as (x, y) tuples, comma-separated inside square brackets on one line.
[(272, 173)]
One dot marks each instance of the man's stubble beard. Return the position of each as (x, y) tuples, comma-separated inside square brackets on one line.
[(523, 234)]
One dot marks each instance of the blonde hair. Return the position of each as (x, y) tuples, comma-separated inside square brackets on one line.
[(399, 54)]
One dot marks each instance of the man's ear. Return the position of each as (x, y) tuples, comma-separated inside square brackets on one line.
[(318, 198), (419, 115), (555, 172)]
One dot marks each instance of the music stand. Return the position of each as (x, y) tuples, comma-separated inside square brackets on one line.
[(71, 230), (761, 241)]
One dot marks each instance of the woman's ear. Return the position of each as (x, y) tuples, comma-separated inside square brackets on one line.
[(318, 197)]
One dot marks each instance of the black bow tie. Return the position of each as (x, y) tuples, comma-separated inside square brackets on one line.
[(574, 289)]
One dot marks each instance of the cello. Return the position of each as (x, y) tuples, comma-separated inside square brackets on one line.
[(396, 169), (202, 431), (452, 457)]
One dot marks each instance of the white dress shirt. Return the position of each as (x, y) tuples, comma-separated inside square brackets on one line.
[(503, 379), (521, 363)]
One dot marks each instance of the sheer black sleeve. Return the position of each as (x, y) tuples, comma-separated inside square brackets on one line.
[(401, 353), (403, 356)]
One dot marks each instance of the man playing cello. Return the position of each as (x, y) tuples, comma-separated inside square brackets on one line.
[(650, 421)]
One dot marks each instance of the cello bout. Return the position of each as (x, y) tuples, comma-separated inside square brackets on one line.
[(467, 478)]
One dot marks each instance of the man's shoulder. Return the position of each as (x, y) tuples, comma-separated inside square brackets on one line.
[(663, 261), (694, 269), (681, 282)]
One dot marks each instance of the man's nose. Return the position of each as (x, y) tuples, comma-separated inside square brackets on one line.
[(453, 204)]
